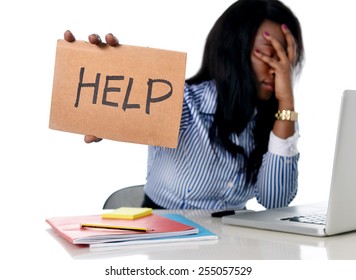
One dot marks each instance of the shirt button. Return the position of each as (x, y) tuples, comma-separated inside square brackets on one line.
[(230, 185)]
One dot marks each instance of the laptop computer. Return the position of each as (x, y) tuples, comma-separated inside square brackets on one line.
[(339, 214)]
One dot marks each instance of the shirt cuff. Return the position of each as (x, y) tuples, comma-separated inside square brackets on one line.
[(283, 147)]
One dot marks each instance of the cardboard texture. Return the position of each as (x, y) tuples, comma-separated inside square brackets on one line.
[(124, 93)]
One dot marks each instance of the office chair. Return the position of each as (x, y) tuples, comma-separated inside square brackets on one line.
[(127, 197)]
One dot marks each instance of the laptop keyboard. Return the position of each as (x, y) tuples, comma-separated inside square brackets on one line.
[(317, 218)]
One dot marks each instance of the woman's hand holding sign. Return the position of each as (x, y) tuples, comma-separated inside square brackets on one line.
[(95, 39)]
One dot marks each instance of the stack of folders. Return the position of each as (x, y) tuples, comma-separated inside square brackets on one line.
[(128, 226)]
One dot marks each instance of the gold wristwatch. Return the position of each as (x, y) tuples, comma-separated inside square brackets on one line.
[(286, 115)]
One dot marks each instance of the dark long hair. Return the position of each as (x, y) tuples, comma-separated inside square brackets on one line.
[(227, 61)]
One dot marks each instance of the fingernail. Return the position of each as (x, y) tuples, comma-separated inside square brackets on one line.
[(266, 33), (98, 37), (284, 26), (257, 51), (114, 37)]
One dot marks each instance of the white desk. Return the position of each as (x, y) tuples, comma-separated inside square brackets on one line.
[(235, 243)]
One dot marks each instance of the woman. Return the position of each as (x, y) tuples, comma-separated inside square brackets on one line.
[(238, 131)]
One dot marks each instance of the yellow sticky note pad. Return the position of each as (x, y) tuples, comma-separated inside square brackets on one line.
[(127, 213)]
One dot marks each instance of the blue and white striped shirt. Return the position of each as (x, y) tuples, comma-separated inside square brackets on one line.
[(197, 176)]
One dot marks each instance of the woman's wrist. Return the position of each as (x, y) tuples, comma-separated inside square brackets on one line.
[(284, 128), (286, 103)]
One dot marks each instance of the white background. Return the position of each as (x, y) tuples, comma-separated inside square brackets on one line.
[(50, 173)]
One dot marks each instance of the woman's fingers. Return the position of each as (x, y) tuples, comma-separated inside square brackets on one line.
[(90, 139), (291, 46), (283, 52), (68, 36), (277, 46), (111, 40), (266, 59), (94, 39)]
